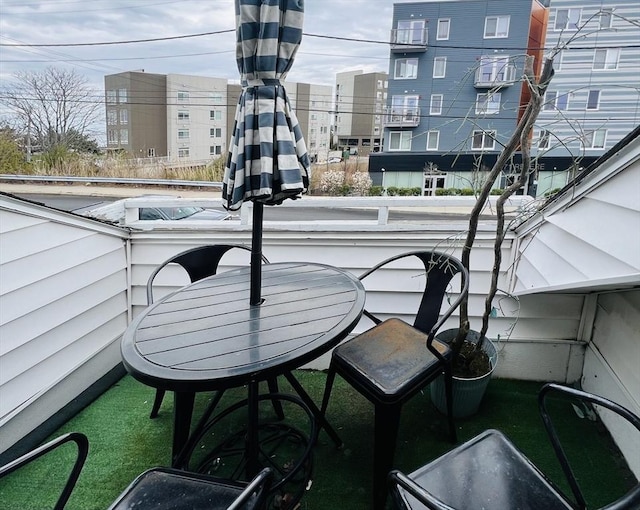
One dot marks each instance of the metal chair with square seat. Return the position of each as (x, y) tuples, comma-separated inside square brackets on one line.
[(159, 488), (200, 262), (393, 360), (488, 471)]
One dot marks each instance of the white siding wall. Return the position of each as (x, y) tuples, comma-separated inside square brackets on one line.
[(63, 307)]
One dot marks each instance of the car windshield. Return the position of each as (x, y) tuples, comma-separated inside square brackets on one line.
[(180, 213)]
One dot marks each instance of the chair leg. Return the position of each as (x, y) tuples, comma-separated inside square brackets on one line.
[(448, 390), (387, 423), (328, 385), (157, 403), (277, 405)]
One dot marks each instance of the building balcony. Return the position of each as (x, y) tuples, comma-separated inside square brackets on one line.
[(409, 40), (401, 117), (495, 77)]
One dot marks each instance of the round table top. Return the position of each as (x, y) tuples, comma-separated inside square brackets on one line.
[(206, 336)]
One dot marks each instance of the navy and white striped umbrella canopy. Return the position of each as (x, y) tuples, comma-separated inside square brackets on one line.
[(268, 160)]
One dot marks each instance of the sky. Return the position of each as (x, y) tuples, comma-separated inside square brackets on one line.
[(61, 22)]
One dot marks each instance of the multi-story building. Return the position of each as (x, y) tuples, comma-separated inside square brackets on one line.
[(593, 100), (191, 118), (456, 89), (359, 104)]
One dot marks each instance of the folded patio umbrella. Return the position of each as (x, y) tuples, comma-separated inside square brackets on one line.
[(268, 161)]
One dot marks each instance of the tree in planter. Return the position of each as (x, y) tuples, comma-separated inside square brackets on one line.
[(469, 360)]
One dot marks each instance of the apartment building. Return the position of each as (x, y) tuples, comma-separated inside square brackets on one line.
[(456, 90), (190, 119), (359, 107), (593, 100)]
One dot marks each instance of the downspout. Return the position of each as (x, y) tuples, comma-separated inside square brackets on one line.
[(129, 279)]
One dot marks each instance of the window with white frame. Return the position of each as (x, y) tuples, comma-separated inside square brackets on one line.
[(433, 139), (183, 96), (112, 117), (543, 139), (123, 95), (595, 139), (151, 152), (215, 115), (183, 115), (487, 104), (554, 100), (400, 141), (593, 99), (183, 134), (112, 97), (439, 67), (124, 136), (495, 69), (606, 59), (124, 116), (606, 17), (483, 140), (112, 136), (215, 150), (443, 29), (183, 152), (410, 32), (435, 106), (496, 26), (216, 97), (567, 19), (215, 132), (404, 107), (406, 68)]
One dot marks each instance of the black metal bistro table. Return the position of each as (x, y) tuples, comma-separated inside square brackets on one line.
[(206, 336)]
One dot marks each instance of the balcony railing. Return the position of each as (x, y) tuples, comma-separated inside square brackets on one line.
[(409, 39), (402, 117), (495, 76)]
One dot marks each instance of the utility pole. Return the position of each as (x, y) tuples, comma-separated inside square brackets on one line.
[(29, 137)]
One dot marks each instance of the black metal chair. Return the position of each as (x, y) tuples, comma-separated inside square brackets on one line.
[(160, 488), (392, 361), (200, 262), (488, 471)]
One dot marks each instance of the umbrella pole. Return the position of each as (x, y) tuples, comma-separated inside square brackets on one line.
[(256, 254)]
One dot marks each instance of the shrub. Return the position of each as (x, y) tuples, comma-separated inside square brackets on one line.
[(360, 183), (497, 191), (466, 192), (332, 182)]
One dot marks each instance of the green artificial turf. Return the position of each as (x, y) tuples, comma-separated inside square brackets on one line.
[(124, 442)]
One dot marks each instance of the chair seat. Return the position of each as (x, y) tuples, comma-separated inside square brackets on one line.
[(486, 472), (162, 489), (389, 360)]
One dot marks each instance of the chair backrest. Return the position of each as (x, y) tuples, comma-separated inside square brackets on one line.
[(632, 498), (199, 263), (440, 268)]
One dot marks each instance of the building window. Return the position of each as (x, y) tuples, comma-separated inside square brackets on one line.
[(606, 18), (215, 132), (553, 100), (183, 134), (183, 153), (410, 32), (216, 97), (122, 95), (215, 150), (406, 68), (400, 141), (124, 116), (183, 96), (439, 67), (183, 115), (435, 107), (404, 108), (112, 97), (495, 70), (443, 29), (593, 100), (112, 117), (215, 115), (487, 104), (112, 136), (496, 26), (543, 141), (595, 139), (606, 59), (433, 137), (124, 136), (483, 140), (567, 19), (151, 153)]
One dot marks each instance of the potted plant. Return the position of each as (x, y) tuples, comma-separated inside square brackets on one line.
[(474, 356)]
